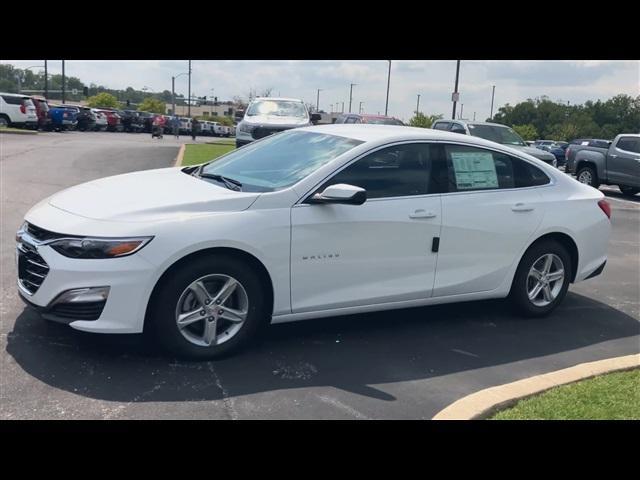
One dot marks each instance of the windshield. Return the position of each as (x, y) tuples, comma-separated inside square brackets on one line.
[(280, 108), (279, 160), (498, 134)]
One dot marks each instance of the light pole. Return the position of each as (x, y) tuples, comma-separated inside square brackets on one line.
[(386, 105), (455, 92), (173, 92), (318, 100), (189, 104), (351, 95), (418, 106), (342, 107), (63, 82), (493, 92), (46, 81), (461, 109), (360, 107), (331, 108)]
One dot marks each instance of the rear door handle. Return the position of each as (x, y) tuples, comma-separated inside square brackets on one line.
[(522, 207), (422, 214)]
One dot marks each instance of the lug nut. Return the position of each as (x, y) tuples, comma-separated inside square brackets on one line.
[(202, 312)]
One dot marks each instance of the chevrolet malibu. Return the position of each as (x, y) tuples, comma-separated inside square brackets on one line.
[(312, 222)]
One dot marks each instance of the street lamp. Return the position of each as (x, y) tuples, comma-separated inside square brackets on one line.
[(360, 107), (386, 105), (455, 95), (318, 100), (493, 92), (418, 106), (173, 92)]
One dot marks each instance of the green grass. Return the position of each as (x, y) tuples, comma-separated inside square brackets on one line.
[(614, 396), (196, 154)]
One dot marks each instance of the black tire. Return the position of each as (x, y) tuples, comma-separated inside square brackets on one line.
[(162, 321), (630, 191), (519, 288), (4, 121), (590, 173)]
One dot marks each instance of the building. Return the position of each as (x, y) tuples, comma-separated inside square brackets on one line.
[(220, 109)]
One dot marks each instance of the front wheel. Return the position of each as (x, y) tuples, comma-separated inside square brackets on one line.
[(630, 191), (209, 308), (588, 176), (542, 279)]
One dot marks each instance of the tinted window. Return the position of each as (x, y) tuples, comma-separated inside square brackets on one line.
[(351, 120), (629, 144), (11, 100), (473, 168), (397, 171), (495, 133), (441, 125)]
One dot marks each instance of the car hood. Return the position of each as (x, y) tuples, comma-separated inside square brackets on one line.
[(276, 120), (148, 196), (535, 152)]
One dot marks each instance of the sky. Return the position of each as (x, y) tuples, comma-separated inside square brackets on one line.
[(515, 81)]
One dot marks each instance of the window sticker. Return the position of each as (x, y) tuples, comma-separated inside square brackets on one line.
[(474, 170)]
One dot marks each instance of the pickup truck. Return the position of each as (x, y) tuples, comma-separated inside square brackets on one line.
[(62, 117), (618, 164)]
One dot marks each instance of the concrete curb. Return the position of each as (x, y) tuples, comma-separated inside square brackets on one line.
[(484, 403), (180, 156), (19, 132)]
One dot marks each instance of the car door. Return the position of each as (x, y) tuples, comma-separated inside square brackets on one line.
[(623, 162), (492, 207), (381, 251)]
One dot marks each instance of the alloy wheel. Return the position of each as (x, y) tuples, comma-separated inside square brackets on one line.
[(545, 280)]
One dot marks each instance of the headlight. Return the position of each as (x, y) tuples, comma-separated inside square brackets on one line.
[(98, 248), (246, 127)]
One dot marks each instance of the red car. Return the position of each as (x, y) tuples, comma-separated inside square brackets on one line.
[(42, 110), (114, 123)]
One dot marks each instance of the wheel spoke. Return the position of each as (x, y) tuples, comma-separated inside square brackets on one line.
[(226, 291), (535, 291), (233, 315), (200, 292), (557, 275), (548, 261), (535, 274), (546, 293), (209, 336), (188, 318)]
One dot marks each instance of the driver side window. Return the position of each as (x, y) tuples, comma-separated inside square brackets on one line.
[(397, 171)]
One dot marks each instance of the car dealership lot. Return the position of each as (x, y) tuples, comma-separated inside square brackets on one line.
[(398, 364)]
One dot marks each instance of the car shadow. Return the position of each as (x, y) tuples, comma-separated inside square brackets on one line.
[(348, 353)]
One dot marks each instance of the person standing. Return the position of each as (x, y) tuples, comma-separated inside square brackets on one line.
[(176, 127), (195, 127)]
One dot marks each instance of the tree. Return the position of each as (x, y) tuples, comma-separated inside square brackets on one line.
[(102, 100), (424, 121), (152, 105), (527, 132)]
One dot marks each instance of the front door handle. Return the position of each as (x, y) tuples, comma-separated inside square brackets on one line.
[(522, 207), (421, 213)]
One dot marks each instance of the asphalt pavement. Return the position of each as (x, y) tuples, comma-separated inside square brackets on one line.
[(404, 364)]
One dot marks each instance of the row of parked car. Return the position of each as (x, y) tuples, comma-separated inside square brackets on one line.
[(35, 112)]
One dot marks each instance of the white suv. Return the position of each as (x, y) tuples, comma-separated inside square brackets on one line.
[(266, 115), (17, 110)]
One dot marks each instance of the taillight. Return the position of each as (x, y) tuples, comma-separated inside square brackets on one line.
[(23, 109), (605, 207)]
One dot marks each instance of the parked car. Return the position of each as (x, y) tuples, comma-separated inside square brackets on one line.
[(496, 133), (168, 124), (543, 143), (267, 115), (17, 111), (146, 119), (185, 125), (114, 123), (42, 111), (101, 120), (617, 164), (131, 121), (558, 150), (206, 128), (63, 117), (218, 129), (311, 222), (361, 118)]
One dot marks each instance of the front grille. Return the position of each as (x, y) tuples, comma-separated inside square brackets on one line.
[(262, 132), (32, 269), (78, 311)]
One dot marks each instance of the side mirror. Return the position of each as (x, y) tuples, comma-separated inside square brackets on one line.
[(315, 117), (341, 193)]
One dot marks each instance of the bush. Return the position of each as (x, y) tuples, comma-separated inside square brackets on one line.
[(103, 100), (152, 105), (424, 121), (527, 132)]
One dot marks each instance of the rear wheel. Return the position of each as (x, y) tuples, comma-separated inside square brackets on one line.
[(588, 176), (4, 121), (542, 279), (209, 308), (630, 191)]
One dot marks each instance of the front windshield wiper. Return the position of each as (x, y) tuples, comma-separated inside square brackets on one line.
[(230, 183)]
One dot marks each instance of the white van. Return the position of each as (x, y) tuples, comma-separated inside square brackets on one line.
[(18, 111), (185, 125)]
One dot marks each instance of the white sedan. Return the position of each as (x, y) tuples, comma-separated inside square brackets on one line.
[(312, 222)]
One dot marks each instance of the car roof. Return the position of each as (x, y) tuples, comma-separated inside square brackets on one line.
[(15, 95), (278, 98), (471, 122)]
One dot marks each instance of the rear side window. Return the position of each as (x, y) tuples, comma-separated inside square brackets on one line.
[(441, 125), (472, 169), (351, 120), (629, 144), (11, 100)]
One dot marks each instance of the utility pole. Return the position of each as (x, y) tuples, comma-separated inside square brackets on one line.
[(493, 92), (461, 109), (342, 107), (474, 116), (173, 96), (46, 80), (418, 106), (386, 105), (455, 91), (189, 104), (331, 108), (360, 107), (351, 95), (63, 81), (318, 101)]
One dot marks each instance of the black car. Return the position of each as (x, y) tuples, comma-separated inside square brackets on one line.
[(131, 121)]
